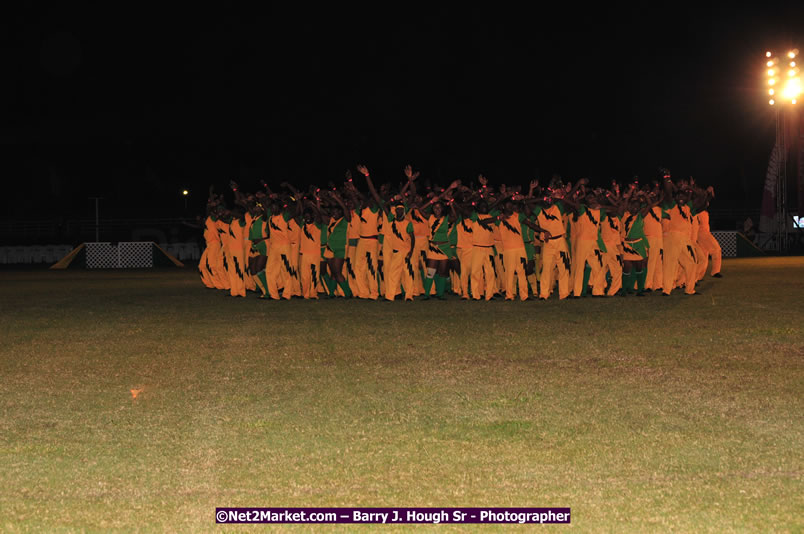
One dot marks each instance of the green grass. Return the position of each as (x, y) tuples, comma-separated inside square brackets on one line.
[(652, 414)]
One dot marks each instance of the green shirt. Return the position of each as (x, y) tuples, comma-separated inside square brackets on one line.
[(527, 231), (440, 229), (634, 227), (257, 228), (336, 233)]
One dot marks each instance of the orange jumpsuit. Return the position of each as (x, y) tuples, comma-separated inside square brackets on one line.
[(708, 246), (236, 258), (367, 254), (421, 229), (385, 249), (464, 251), (211, 264), (654, 233), (514, 257), (585, 236), (678, 249), (555, 253), (310, 259), (400, 269), (223, 265), (294, 235), (352, 239), (612, 258), (483, 279), (278, 269)]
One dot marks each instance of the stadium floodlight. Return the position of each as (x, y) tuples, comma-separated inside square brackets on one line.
[(789, 83), (185, 192), (784, 89), (792, 89)]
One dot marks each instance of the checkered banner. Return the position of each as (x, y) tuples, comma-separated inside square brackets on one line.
[(136, 254), (126, 255), (728, 243)]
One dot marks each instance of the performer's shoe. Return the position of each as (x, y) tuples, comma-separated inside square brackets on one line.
[(718, 275)]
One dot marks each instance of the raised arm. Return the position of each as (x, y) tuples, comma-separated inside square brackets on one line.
[(382, 204), (411, 178), (239, 197), (337, 198)]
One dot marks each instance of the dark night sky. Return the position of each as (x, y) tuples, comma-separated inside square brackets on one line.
[(135, 105)]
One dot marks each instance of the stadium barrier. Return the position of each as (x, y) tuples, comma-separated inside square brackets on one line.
[(736, 245), (37, 254), (123, 255)]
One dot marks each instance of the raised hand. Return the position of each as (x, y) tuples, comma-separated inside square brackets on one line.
[(362, 169), (482, 179), (348, 175), (410, 174)]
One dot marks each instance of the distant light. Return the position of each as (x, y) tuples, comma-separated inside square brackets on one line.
[(793, 101), (771, 92), (791, 73), (767, 54), (771, 102), (792, 54), (185, 192), (769, 63), (771, 81), (771, 72), (792, 63)]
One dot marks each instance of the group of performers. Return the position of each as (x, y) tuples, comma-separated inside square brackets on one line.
[(477, 242)]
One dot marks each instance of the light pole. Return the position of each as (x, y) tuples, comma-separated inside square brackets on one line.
[(97, 225), (185, 193), (784, 88)]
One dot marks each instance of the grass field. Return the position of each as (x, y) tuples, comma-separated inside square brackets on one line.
[(652, 414)]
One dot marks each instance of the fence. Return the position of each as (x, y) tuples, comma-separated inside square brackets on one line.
[(99, 255)]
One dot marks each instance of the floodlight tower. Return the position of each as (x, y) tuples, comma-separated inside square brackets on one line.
[(784, 89)]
